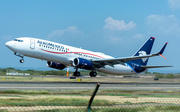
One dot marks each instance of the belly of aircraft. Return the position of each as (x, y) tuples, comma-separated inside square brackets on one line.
[(117, 70)]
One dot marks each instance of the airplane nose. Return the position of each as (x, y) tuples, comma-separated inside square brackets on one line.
[(9, 44)]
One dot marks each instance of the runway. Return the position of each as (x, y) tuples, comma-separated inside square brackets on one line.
[(87, 86)]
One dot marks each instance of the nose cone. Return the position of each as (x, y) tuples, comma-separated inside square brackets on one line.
[(9, 44)]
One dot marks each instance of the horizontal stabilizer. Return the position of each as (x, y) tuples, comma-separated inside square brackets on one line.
[(145, 67)]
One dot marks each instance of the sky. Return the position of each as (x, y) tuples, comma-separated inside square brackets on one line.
[(114, 27)]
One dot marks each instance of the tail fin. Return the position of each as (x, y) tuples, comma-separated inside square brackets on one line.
[(145, 49)]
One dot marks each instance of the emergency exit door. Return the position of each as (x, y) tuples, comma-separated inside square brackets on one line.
[(32, 43)]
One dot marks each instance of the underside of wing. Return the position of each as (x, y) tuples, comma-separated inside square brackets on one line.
[(145, 67)]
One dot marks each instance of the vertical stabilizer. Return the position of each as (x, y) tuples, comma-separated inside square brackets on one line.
[(145, 49)]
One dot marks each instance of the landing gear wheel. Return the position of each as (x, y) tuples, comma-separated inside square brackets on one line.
[(76, 74), (22, 61), (93, 74)]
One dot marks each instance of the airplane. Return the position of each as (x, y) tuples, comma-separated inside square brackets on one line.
[(59, 56)]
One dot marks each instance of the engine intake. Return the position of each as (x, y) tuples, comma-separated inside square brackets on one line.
[(55, 65), (83, 63)]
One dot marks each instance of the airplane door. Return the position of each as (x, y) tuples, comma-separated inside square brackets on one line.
[(32, 43)]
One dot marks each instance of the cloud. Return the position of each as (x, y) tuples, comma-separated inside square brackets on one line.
[(72, 30), (118, 25), (7, 37), (114, 39), (167, 25), (174, 4), (138, 36)]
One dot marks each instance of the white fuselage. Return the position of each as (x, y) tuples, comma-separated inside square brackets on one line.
[(64, 54)]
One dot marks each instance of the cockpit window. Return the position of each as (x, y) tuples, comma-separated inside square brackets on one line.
[(18, 40)]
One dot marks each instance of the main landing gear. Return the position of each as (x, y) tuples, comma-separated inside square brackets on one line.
[(20, 55), (76, 73), (92, 73)]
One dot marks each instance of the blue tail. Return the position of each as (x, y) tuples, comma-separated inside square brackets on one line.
[(145, 49)]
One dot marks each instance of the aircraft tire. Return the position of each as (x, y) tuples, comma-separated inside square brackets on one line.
[(21, 61), (93, 74), (76, 74)]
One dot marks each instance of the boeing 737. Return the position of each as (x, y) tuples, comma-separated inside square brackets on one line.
[(59, 56)]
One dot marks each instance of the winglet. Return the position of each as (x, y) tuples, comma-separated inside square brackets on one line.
[(162, 56), (162, 50)]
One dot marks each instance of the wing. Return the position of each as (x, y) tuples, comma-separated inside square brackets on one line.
[(111, 62), (154, 66)]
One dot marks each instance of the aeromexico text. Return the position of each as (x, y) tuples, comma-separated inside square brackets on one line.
[(50, 45)]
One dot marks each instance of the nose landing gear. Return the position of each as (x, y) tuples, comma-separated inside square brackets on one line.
[(21, 60), (20, 55)]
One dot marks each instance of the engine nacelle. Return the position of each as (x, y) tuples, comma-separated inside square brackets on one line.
[(83, 63), (55, 65)]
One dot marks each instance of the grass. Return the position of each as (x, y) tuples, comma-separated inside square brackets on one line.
[(129, 108), (23, 92), (102, 79), (51, 101), (29, 78), (120, 109), (136, 93), (125, 94), (140, 109), (63, 110), (34, 98)]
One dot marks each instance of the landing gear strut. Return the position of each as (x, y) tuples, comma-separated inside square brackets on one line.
[(20, 55)]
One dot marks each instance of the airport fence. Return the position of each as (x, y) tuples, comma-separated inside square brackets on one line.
[(79, 106)]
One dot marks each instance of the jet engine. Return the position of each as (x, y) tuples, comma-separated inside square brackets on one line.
[(55, 65), (83, 63)]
